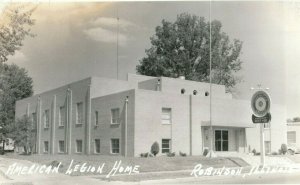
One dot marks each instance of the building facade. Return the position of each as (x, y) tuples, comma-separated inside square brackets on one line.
[(116, 117)]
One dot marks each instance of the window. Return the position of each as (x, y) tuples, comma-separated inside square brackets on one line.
[(46, 146), (221, 140), (33, 119), (96, 118), (61, 146), (61, 116), (79, 113), (266, 125), (115, 116), (165, 146), (115, 146), (268, 147), (291, 137), (97, 146), (46, 119), (166, 117), (78, 146)]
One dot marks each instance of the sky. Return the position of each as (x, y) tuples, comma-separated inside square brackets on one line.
[(77, 40)]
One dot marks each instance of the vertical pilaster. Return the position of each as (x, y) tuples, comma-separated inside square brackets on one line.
[(53, 125), (39, 123), (88, 121), (69, 115)]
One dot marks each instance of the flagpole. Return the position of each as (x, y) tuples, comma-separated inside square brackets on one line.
[(210, 86), (117, 42)]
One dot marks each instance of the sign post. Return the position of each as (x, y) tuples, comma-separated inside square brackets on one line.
[(260, 104)]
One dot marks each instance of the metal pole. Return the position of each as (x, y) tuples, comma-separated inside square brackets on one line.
[(126, 116), (117, 42), (262, 144)]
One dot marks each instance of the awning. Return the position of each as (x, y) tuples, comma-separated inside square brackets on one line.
[(228, 124)]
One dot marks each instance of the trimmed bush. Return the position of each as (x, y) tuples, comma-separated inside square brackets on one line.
[(171, 154), (254, 151), (205, 152), (182, 154), (284, 149), (155, 148)]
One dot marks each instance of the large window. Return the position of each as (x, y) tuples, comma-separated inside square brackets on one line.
[(61, 116), (291, 137), (165, 146), (46, 119), (115, 146), (61, 146), (166, 116), (221, 140), (96, 118), (97, 146), (33, 119), (79, 146), (79, 113), (46, 146), (115, 116)]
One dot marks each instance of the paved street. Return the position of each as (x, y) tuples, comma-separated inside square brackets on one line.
[(55, 179)]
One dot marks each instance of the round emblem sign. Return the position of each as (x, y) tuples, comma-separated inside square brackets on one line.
[(260, 103)]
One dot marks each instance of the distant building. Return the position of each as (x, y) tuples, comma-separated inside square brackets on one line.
[(293, 136), (116, 117)]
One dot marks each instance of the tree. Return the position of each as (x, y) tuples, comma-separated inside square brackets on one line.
[(182, 48), (23, 132), (15, 85), (15, 23), (155, 148)]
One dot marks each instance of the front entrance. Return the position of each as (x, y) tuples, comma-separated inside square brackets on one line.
[(221, 140)]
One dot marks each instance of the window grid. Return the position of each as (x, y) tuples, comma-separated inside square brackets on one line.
[(46, 119), (166, 116), (79, 113), (61, 116), (79, 146), (115, 116), (165, 146), (96, 118), (46, 146), (61, 146), (115, 146), (97, 146)]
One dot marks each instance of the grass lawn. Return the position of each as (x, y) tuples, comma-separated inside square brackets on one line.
[(152, 164)]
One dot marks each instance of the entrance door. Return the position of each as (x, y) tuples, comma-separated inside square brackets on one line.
[(221, 140)]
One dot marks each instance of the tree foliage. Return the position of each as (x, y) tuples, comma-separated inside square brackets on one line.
[(23, 132), (15, 85), (15, 23), (182, 48)]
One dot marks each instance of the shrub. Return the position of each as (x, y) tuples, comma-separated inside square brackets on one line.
[(284, 148), (274, 153), (155, 148), (171, 154), (205, 152), (144, 154), (182, 154), (254, 151)]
